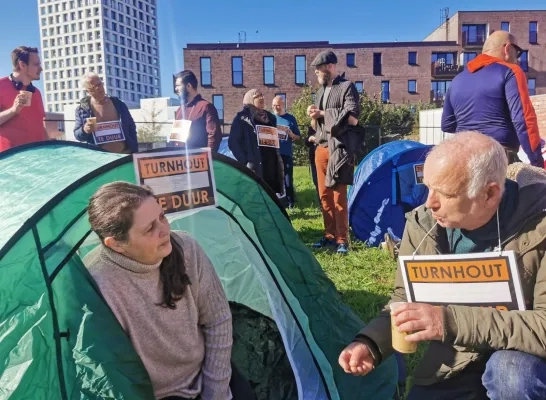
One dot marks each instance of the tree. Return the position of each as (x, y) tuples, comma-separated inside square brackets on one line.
[(149, 130)]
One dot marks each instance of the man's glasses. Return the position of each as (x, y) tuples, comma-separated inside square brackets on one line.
[(519, 50)]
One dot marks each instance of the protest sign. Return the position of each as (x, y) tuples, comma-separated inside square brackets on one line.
[(108, 132), (268, 136), (480, 279), (283, 131), (180, 130), (181, 180)]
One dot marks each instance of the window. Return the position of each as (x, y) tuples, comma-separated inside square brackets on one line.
[(524, 60), (206, 74), (269, 70), (533, 32), (444, 58), (301, 70), (385, 91), (439, 89), (359, 86), (236, 71), (531, 84), (505, 26), (412, 58), (474, 34), (351, 60), (412, 86), (218, 102), (377, 63), (468, 57), (282, 96)]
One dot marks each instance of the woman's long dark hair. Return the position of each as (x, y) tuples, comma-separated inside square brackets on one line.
[(111, 210)]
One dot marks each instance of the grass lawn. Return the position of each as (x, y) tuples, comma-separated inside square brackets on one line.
[(365, 276)]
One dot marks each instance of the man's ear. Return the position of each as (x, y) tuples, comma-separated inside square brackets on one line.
[(493, 194), (113, 244)]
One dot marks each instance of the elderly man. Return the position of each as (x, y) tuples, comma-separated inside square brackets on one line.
[(491, 96), (334, 116), (107, 111), (474, 352), (288, 132)]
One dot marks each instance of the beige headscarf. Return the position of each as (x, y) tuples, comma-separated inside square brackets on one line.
[(256, 114)]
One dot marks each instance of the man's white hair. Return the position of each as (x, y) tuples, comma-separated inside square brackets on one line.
[(84, 81), (484, 158)]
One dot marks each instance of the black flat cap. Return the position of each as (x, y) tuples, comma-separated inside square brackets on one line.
[(324, 57)]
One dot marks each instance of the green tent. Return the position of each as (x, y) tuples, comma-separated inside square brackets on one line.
[(59, 339)]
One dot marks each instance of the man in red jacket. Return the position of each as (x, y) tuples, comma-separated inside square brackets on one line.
[(22, 112)]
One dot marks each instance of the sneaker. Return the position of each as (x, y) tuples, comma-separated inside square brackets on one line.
[(324, 242), (342, 248)]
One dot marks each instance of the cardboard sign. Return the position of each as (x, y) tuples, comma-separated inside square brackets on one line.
[(268, 136), (418, 169), (480, 279), (283, 131), (181, 180), (180, 130), (108, 132)]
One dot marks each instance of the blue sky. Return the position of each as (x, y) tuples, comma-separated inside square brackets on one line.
[(182, 21)]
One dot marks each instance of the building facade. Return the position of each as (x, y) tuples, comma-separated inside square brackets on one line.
[(393, 72), (117, 39)]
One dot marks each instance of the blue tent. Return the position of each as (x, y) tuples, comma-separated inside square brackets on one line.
[(387, 184), (224, 148)]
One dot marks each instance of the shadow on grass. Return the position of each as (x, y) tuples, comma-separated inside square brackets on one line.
[(307, 197)]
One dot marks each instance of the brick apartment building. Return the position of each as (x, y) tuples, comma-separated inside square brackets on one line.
[(396, 72)]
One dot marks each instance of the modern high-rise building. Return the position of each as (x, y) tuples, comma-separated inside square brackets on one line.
[(117, 39)]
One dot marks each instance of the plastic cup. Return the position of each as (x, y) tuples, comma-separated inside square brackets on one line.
[(27, 96), (92, 121), (399, 342)]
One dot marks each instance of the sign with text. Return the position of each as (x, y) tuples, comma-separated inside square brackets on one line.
[(283, 132), (180, 130), (268, 136), (108, 132), (418, 169), (479, 280), (181, 180)]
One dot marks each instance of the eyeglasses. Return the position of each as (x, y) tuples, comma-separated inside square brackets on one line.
[(94, 87)]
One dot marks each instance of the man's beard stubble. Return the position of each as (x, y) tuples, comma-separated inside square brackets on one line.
[(324, 79)]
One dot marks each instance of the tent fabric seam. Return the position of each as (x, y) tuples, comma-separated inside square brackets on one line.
[(63, 232), (68, 257), (55, 322)]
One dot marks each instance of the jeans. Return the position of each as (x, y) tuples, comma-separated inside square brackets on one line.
[(509, 375), (288, 162)]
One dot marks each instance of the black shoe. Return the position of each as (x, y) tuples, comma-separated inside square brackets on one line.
[(324, 242)]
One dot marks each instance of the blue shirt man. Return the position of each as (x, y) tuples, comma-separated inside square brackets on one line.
[(288, 132)]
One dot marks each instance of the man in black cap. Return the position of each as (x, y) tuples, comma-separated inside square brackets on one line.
[(334, 118)]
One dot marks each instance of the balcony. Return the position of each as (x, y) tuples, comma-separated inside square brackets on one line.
[(443, 70), (473, 40)]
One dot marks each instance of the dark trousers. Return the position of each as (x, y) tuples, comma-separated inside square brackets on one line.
[(240, 388), (508, 375), (288, 162), (314, 170)]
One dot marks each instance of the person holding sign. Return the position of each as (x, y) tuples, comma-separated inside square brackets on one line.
[(199, 125), (103, 120), (485, 314), (288, 131), (254, 141), (165, 293)]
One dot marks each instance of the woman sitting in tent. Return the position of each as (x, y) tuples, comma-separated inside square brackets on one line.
[(266, 162), (166, 295)]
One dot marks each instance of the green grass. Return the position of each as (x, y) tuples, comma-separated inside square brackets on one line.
[(365, 277)]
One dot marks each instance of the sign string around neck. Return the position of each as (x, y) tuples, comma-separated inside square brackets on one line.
[(422, 240)]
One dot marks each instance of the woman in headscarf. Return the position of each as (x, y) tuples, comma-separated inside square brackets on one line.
[(265, 162)]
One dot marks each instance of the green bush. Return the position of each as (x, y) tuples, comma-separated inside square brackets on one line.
[(382, 122)]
